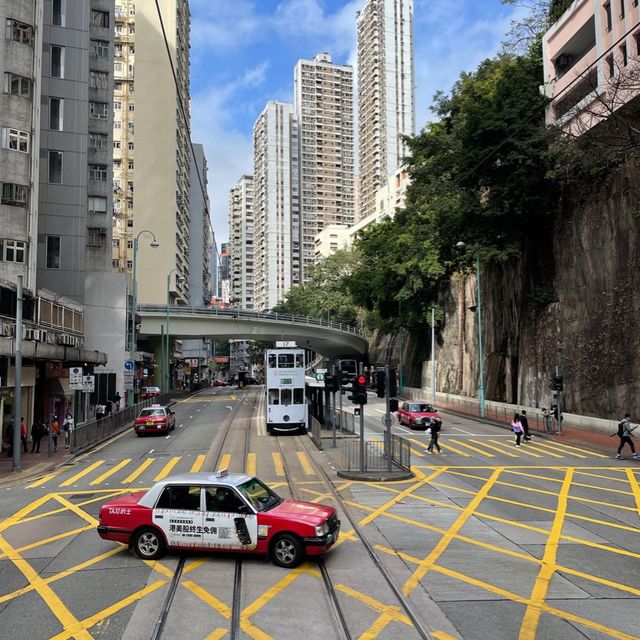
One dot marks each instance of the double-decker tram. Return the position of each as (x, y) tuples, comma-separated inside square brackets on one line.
[(284, 369)]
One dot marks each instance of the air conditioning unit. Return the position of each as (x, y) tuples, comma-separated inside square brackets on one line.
[(28, 334), (40, 335)]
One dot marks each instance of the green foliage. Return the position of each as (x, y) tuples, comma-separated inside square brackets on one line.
[(324, 295), (557, 8)]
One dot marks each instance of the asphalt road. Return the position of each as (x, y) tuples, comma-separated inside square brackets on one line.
[(487, 541)]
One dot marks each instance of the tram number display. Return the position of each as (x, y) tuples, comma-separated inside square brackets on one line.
[(286, 381)]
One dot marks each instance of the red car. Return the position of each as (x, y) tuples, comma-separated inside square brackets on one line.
[(219, 383), (155, 419), (150, 392), (418, 415), (219, 512)]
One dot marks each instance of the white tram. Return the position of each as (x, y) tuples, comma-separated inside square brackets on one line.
[(284, 370)]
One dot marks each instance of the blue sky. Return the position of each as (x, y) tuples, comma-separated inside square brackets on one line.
[(243, 53)]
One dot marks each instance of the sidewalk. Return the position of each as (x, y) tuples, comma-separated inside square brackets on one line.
[(32, 464)]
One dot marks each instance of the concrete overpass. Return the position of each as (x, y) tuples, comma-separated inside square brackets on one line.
[(331, 339)]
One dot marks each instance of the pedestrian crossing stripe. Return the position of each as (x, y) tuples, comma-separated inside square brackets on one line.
[(107, 474), (525, 450), (166, 470), (82, 474), (482, 452), (197, 465), (139, 471)]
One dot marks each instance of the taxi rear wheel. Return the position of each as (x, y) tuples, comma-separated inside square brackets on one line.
[(148, 544), (287, 551)]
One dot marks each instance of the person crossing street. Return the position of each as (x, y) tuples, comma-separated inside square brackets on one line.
[(625, 429)]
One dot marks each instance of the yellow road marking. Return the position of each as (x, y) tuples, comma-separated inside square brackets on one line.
[(130, 478), (473, 448), (441, 635), (217, 605), (217, 634), (549, 445), (305, 464), (166, 470), (403, 494), (70, 623), (500, 450), (74, 508), (251, 464), (577, 484), (444, 542), (633, 481), (197, 465), (531, 619), (82, 473), (562, 446), (106, 474), (600, 477), (277, 463), (44, 479), (225, 462), (522, 450), (374, 604), (446, 446)]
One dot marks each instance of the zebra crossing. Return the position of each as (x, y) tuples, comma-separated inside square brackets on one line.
[(493, 447), (142, 473)]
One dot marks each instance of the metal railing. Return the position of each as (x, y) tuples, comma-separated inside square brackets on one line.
[(375, 458), (316, 433), (345, 422)]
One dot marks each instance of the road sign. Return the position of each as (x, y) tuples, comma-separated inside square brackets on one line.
[(319, 377), (75, 378), (128, 365), (88, 383)]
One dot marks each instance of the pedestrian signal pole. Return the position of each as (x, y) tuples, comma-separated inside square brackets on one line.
[(387, 417)]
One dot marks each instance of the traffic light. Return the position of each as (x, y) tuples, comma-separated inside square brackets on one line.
[(331, 383), (359, 390), (393, 384), (393, 404), (381, 381), (557, 383)]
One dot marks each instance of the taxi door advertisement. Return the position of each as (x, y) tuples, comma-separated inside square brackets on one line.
[(230, 530), (181, 527)]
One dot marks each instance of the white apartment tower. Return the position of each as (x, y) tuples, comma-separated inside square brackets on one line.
[(323, 103), (151, 145), (386, 97), (276, 204), (242, 251)]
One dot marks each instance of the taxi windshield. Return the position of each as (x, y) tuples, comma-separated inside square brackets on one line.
[(422, 408), (145, 413), (259, 495)]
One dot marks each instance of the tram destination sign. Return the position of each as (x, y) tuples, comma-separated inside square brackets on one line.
[(286, 381)]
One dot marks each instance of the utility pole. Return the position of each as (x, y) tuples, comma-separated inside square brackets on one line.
[(433, 356), (17, 377)]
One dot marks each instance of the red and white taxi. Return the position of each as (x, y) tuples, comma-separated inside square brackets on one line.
[(418, 415), (220, 512), (155, 419)]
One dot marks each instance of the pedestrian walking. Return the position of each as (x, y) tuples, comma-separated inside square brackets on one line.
[(625, 429), (524, 421), (36, 436), (55, 430), (99, 411), (547, 420), (107, 408), (558, 417), (435, 430), (516, 425), (8, 438), (116, 401), (23, 434), (67, 427)]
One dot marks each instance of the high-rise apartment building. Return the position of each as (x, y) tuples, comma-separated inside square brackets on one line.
[(276, 204), (151, 144), (386, 102), (241, 233), (323, 104)]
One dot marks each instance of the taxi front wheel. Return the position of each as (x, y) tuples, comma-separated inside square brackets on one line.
[(148, 544), (287, 551)]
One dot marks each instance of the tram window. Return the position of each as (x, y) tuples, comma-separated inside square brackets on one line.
[(272, 361), (285, 360), (298, 396), (285, 396), (274, 396), (299, 360)]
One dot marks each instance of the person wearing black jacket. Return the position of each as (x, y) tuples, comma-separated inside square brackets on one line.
[(435, 429), (36, 435), (524, 421)]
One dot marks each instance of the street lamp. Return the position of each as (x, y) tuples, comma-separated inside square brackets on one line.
[(462, 245), (134, 302), (167, 380)]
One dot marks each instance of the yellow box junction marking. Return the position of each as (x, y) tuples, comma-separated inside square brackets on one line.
[(139, 471), (305, 464), (166, 470), (81, 474), (277, 463), (197, 465), (633, 481), (475, 449), (100, 479), (251, 464)]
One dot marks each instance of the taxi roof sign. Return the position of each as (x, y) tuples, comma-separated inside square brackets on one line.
[(222, 473)]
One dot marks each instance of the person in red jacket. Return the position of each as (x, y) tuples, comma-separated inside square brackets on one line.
[(55, 430)]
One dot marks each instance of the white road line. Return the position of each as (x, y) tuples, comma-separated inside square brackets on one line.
[(462, 430)]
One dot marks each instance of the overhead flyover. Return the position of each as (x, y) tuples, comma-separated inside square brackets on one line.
[(331, 339)]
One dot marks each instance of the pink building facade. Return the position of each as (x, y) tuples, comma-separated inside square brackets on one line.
[(591, 62)]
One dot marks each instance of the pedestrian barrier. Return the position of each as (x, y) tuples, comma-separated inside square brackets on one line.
[(375, 458)]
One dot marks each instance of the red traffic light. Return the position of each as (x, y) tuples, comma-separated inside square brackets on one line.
[(362, 380)]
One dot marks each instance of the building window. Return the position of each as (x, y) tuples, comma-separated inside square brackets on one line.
[(117, 105), (132, 106), (98, 172), (130, 146), (115, 242), (57, 62), (53, 252), (117, 144), (17, 85), (58, 12), (623, 55), (55, 167), (130, 127), (100, 48), (98, 142), (14, 194), (130, 223), (100, 18), (97, 204), (117, 124), (131, 87), (130, 165), (56, 114), (622, 9), (611, 66), (18, 31), (115, 263), (12, 250), (15, 139), (637, 39), (98, 80), (99, 110), (129, 244), (607, 13), (129, 264), (96, 237)]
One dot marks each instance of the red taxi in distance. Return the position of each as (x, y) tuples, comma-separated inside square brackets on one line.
[(150, 392), (155, 419), (219, 512), (418, 415)]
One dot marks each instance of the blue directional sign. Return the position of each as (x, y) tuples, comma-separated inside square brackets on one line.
[(128, 365)]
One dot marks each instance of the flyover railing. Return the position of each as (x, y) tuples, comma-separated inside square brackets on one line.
[(243, 314)]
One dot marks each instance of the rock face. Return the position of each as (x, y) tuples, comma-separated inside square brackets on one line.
[(575, 305)]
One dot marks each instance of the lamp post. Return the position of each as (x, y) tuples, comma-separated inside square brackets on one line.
[(167, 380), (134, 302), (462, 245)]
